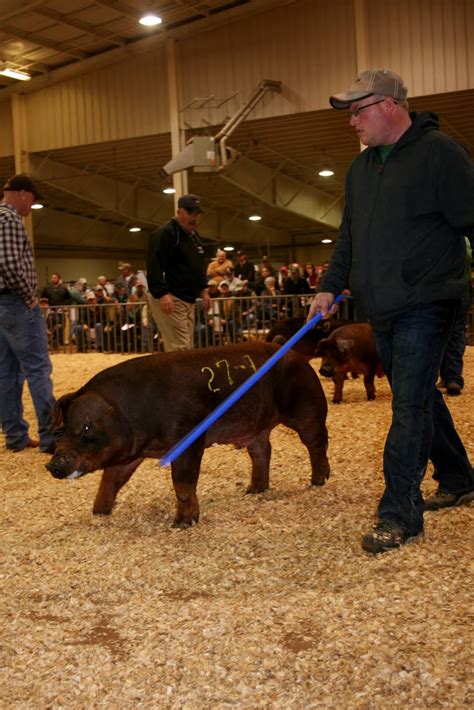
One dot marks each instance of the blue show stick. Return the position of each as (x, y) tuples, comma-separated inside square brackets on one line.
[(227, 403)]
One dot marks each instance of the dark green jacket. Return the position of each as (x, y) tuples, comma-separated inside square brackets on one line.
[(402, 235)]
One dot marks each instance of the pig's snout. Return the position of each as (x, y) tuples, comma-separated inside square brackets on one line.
[(326, 371), (58, 466)]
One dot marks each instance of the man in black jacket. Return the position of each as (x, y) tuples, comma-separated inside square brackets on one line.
[(408, 203), (244, 269), (176, 275)]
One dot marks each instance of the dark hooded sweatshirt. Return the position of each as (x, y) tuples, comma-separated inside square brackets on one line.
[(402, 234)]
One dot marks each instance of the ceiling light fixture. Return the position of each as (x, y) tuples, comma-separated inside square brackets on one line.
[(37, 206), (255, 218), (326, 241), (326, 172), (229, 248), (135, 229), (169, 190), (5, 70), (150, 20)]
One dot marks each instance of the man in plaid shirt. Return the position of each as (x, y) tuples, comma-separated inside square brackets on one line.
[(23, 338)]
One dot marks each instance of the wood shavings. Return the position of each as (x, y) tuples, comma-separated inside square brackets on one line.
[(268, 603)]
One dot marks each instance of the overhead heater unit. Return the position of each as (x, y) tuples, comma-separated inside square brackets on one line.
[(211, 154)]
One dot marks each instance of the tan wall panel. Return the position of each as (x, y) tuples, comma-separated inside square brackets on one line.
[(309, 45), (6, 131), (122, 100), (298, 44), (429, 42)]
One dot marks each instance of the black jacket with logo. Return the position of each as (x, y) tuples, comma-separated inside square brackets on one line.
[(402, 234), (175, 263)]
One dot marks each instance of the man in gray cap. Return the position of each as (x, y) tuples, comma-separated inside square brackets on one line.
[(401, 252), (176, 275), (23, 338)]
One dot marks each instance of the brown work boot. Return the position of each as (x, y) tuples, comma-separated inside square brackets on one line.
[(386, 535), (448, 499)]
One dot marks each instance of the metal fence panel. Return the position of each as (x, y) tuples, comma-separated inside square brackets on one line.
[(130, 328)]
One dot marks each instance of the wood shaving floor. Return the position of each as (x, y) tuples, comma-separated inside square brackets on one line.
[(268, 603)]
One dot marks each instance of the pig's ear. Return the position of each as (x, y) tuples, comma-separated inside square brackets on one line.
[(279, 339), (345, 344), (320, 347), (60, 408), (326, 326)]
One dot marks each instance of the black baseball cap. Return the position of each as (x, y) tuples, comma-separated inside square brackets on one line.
[(190, 203), (22, 182)]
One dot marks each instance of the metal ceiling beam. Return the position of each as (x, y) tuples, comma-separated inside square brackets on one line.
[(278, 190), (86, 27), (102, 194), (107, 197), (36, 38), (121, 7)]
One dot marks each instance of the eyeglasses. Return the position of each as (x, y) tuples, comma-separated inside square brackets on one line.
[(357, 111)]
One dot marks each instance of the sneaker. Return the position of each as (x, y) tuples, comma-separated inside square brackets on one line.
[(386, 535), (448, 499), (453, 389)]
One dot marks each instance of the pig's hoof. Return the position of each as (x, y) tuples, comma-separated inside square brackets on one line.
[(370, 397), (184, 524), (101, 512), (337, 401), (320, 481), (256, 489)]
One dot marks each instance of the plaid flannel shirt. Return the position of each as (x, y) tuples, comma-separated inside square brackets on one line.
[(17, 269)]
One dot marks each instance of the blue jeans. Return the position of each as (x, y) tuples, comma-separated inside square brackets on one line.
[(410, 348), (24, 355), (83, 337), (452, 362)]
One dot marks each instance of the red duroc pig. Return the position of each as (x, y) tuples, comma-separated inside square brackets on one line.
[(350, 348), (144, 406), (306, 346)]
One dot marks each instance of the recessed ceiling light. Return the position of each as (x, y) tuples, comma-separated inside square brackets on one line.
[(37, 206), (326, 241), (326, 172), (228, 248), (169, 190), (135, 229), (255, 218), (150, 20)]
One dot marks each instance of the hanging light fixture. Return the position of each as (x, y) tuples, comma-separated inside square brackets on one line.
[(169, 190), (255, 218), (150, 20), (135, 229), (12, 73), (326, 171)]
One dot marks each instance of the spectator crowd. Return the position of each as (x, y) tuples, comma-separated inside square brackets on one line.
[(90, 317)]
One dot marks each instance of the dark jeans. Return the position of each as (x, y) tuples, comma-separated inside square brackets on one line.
[(410, 348), (452, 362)]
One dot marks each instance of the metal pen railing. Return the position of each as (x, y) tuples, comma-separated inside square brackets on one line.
[(130, 328)]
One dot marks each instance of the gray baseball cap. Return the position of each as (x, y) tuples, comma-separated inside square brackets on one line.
[(383, 82)]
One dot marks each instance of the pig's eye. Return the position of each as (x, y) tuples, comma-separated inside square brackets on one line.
[(87, 432)]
